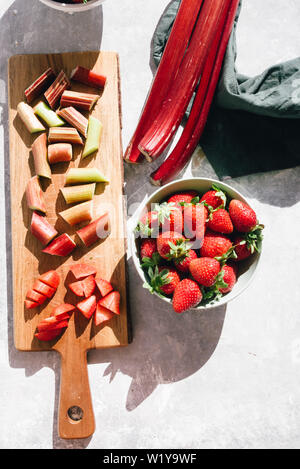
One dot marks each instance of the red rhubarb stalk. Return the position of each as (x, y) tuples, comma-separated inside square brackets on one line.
[(64, 134), (88, 77), (200, 109), (58, 152), (39, 152), (166, 72), (54, 92), (39, 85), (98, 229), (34, 195), (41, 229), (63, 245), (160, 133), (84, 101), (75, 118)]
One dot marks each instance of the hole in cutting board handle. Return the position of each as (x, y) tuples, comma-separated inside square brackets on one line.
[(75, 413)]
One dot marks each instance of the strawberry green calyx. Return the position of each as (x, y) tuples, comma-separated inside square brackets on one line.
[(164, 211), (143, 229), (151, 261), (157, 280), (179, 250), (230, 254), (213, 294), (253, 239), (221, 194)]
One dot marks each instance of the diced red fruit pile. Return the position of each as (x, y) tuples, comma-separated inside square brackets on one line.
[(44, 288), (196, 264)]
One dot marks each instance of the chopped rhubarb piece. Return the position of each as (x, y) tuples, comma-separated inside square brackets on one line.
[(33, 295), (161, 131), (39, 152), (57, 88), (89, 285), (31, 304), (93, 138), (34, 195), (41, 229), (63, 245), (28, 117), (77, 288), (51, 278), (104, 286), (88, 77), (64, 134), (39, 85), (48, 335), (168, 68), (59, 152), (84, 101), (82, 175), (87, 306), (78, 213), (111, 302), (102, 315), (82, 270), (52, 324), (64, 308), (74, 118), (49, 117), (95, 231), (80, 193), (44, 289)]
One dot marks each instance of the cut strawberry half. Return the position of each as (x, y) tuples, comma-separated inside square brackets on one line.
[(62, 311), (103, 286), (52, 324), (87, 306), (89, 285), (33, 295), (44, 289), (82, 270), (102, 315), (47, 335), (31, 304), (77, 288), (51, 278), (111, 302)]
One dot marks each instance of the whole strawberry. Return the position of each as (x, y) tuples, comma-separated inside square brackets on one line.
[(215, 244), (180, 198), (248, 243), (205, 270), (194, 219), (187, 295), (148, 224), (214, 198), (163, 280), (148, 248), (229, 278), (183, 265), (241, 249), (172, 245), (169, 217), (243, 217), (220, 221)]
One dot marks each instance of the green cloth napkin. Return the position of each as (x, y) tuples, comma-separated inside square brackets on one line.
[(253, 124)]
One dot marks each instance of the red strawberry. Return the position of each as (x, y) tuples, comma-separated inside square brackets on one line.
[(111, 302), (243, 217), (169, 217), (103, 286), (182, 197), (214, 198), (205, 270), (77, 288), (89, 285), (87, 306), (183, 266), (194, 217), (30, 304), (102, 315), (82, 270), (171, 245), (36, 297), (148, 224), (242, 250), (163, 280), (51, 278), (220, 221), (187, 295), (229, 277), (148, 248), (214, 244)]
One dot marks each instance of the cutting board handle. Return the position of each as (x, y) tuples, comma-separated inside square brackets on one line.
[(76, 416)]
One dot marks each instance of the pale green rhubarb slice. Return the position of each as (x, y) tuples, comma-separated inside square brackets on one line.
[(80, 193), (47, 115), (39, 152), (84, 175), (93, 139), (78, 213), (28, 117)]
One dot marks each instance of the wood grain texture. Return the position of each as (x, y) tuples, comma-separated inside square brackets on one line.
[(109, 256)]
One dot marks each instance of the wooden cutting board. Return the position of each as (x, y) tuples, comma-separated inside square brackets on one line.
[(76, 419)]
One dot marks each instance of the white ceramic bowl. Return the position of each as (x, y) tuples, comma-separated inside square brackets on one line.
[(72, 8), (247, 267)]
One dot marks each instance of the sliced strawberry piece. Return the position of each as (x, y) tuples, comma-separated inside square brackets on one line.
[(102, 315), (104, 286), (35, 296), (50, 278), (89, 285), (47, 335), (77, 288), (44, 289), (82, 270), (51, 323), (65, 308), (111, 302), (31, 304), (87, 306)]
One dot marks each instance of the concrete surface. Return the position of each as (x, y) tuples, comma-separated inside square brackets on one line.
[(224, 379)]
